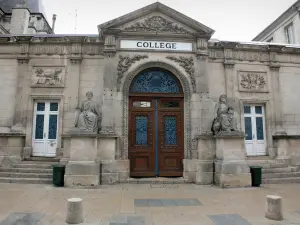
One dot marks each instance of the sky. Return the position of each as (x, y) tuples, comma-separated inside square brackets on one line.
[(233, 20)]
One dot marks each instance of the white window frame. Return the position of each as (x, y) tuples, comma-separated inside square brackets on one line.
[(289, 33)]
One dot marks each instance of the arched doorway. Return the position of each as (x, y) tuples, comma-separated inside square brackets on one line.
[(156, 126)]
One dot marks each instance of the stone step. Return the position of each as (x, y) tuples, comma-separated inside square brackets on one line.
[(42, 160), (27, 165), (26, 170), (277, 170), (287, 180), (278, 165), (157, 180), (26, 175), (280, 175), (25, 180)]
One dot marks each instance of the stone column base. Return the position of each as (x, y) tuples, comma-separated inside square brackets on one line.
[(84, 174), (204, 173), (232, 174)]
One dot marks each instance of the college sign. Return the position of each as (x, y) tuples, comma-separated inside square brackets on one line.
[(156, 45)]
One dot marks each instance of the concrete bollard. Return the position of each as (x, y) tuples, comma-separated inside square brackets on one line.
[(75, 211), (273, 207)]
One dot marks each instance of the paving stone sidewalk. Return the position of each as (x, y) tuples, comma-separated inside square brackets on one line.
[(144, 204)]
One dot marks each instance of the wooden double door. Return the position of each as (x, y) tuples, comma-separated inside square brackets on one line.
[(156, 137)]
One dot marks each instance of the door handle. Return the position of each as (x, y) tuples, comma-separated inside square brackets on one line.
[(253, 136), (44, 135)]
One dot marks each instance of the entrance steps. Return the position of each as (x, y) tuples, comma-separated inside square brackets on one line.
[(28, 172), (157, 180), (277, 171)]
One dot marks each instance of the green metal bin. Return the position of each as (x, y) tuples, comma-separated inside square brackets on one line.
[(255, 175), (58, 175)]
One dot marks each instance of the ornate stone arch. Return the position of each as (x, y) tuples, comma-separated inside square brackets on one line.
[(187, 90)]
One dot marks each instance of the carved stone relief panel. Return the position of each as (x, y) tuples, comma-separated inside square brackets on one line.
[(250, 81), (158, 24), (44, 76)]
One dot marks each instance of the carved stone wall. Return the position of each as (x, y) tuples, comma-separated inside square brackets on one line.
[(251, 81)]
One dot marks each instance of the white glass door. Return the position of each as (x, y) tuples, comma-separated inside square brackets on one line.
[(255, 130), (45, 129)]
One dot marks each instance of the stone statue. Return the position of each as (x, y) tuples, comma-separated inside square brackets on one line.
[(226, 120), (90, 117)]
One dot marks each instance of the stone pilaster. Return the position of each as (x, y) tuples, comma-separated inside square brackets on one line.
[(277, 99), (72, 93), (109, 82), (229, 78), (202, 83), (23, 90)]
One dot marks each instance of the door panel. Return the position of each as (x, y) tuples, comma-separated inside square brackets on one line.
[(45, 126), (141, 138), (170, 138), (254, 130), (155, 136)]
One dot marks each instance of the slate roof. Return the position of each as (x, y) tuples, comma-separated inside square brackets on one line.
[(35, 6)]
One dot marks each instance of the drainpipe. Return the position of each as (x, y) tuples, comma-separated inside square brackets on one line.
[(214, 169)]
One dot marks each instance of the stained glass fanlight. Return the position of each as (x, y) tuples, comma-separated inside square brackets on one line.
[(155, 81)]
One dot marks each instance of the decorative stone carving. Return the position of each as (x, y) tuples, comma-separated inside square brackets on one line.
[(89, 118), (252, 81), (125, 63), (48, 76), (157, 24), (188, 65), (226, 119)]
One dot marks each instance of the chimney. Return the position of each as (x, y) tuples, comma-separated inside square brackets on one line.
[(53, 22), (22, 4)]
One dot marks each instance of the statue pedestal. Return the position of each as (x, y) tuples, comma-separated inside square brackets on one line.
[(231, 168), (82, 168)]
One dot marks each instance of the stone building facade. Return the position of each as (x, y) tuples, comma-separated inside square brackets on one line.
[(24, 17), (285, 29), (156, 79)]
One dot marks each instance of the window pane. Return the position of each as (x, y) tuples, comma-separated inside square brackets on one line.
[(141, 104), (40, 106), (259, 128), (170, 130), (39, 127), (247, 109), (141, 126), (248, 128), (53, 106), (258, 109), (52, 127), (170, 104)]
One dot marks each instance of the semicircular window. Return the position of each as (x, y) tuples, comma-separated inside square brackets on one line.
[(155, 81)]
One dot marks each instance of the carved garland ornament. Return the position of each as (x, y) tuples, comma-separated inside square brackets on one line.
[(157, 24), (125, 63), (188, 65), (253, 81)]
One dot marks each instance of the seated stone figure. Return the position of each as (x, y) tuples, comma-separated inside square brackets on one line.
[(89, 118), (226, 118)]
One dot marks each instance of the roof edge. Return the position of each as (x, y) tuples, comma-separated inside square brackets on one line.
[(277, 21), (151, 8)]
